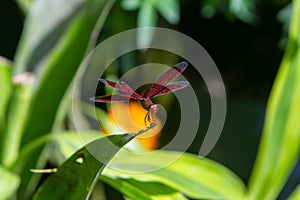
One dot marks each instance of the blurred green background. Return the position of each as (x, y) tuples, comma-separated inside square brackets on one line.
[(246, 40)]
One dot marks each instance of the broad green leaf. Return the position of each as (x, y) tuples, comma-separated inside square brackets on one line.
[(5, 90), (62, 64), (279, 149), (195, 177), (296, 194), (45, 23), (169, 9), (137, 190), (8, 183), (17, 117), (68, 141), (147, 17), (76, 177)]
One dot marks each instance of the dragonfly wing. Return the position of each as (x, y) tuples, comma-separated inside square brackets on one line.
[(172, 88), (122, 86), (166, 78), (143, 94), (112, 98)]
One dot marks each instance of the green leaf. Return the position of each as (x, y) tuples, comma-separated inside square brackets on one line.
[(5, 83), (195, 177), (17, 117), (296, 194), (8, 183), (69, 142), (130, 4), (76, 177), (137, 190), (279, 149), (209, 8), (169, 9), (5, 91), (60, 65), (44, 25), (243, 10), (147, 17), (24, 5)]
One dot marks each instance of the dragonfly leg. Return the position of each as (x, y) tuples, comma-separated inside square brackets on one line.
[(148, 118), (151, 113)]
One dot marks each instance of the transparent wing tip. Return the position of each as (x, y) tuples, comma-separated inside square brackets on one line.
[(182, 64), (94, 99)]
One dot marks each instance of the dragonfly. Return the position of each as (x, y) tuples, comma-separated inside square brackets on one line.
[(160, 87)]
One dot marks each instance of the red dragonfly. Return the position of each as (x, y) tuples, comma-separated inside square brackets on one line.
[(160, 87)]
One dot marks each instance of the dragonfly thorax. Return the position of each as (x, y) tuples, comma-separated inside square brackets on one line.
[(146, 103)]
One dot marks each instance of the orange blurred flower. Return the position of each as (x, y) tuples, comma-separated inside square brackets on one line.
[(129, 118)]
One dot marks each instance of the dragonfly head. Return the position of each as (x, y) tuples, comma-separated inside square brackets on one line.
[(153, 108)]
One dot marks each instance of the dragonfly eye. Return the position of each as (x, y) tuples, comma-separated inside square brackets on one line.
[(153, 108)]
